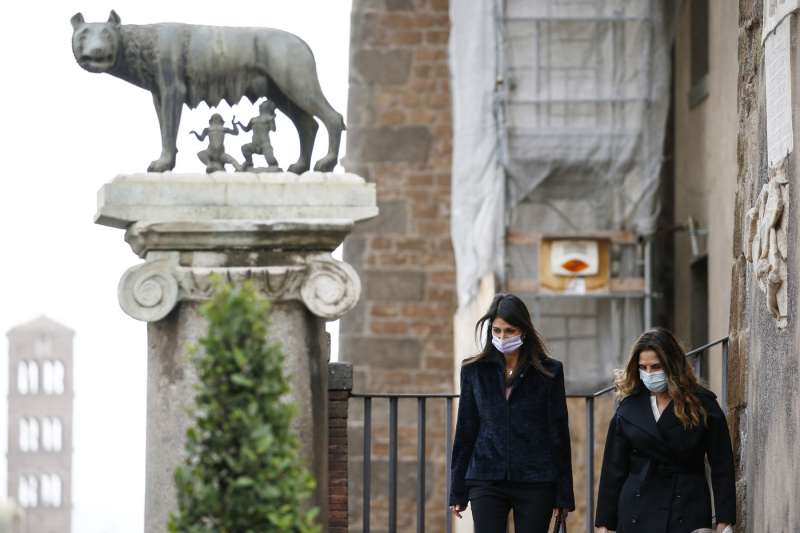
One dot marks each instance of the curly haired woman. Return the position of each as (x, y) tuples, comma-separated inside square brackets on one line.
[(654, 478)]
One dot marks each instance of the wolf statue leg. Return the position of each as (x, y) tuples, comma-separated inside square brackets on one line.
[(313, 102), (334, 123), (306, 129), (169, 105)]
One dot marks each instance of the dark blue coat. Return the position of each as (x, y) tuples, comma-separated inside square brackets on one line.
[(653, 478), (524, 438)]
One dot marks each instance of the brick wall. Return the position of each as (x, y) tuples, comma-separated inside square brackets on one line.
[(340, 383), (399, 338)]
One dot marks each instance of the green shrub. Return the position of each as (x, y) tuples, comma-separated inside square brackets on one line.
[(242, 473)]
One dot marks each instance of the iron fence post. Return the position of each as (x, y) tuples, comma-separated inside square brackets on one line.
[(724, 387), (393, 464), (448, 431), (589, 463), (367, 465), (421, 465)]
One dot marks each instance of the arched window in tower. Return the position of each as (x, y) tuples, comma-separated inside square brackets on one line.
[(22, 377), (28, 491), (28, 434), (58, 377), (23, 434), (53, 377), (33, 377), (51, 434), (47, 377), (51, 490), (28, 377), (58, 433), (33, 435)]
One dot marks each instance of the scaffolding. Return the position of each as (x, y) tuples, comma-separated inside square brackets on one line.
[(581, 98), (556, 93), (575, 88)]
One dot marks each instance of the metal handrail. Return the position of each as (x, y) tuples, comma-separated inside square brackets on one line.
[(448, 400), (421, 467), (404, 395), (692, 353)]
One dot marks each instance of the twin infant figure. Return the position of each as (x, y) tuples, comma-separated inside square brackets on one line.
[(215, 158)]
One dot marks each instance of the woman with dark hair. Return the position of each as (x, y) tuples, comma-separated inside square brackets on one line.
[(512, 446), (654, 477)]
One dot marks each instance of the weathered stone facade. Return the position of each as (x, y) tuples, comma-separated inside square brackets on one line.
[(764, 399), (400, 336)]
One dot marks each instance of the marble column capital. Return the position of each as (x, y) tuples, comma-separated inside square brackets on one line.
[(275, 230), (329, 288)]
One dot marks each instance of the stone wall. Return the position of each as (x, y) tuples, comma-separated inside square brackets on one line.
[(764, 399), (400, 336)]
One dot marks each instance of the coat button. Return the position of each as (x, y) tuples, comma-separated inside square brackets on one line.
[(638, 494), (633, 520), (677, 496)]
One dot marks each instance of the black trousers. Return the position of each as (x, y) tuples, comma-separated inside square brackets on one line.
[(491, 501)]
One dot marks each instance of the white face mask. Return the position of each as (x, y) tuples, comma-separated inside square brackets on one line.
[(655, 381), (507, 345)]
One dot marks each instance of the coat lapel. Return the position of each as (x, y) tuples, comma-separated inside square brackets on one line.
[(496, 361), (638, 411), (668, 418)]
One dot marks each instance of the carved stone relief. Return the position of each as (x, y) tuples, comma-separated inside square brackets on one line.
[(766, 242)]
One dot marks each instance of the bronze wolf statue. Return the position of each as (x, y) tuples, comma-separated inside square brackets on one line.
[(187, 64)]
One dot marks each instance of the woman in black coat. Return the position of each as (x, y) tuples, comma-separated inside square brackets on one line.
[(512, 445), (653, 478)]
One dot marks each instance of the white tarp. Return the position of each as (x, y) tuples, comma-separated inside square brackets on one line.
[(548, 89), (478, 186)]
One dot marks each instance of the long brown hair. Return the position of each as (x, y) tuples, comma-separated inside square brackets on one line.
[(681, 381), (514, 311)]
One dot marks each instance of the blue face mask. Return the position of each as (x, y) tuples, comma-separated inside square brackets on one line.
[(655, 381)]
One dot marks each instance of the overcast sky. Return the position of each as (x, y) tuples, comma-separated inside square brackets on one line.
[(66, 132)]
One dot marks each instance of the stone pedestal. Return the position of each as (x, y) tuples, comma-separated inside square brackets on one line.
[(278, 231)]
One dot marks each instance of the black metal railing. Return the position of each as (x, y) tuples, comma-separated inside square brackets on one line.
[(422, 400)]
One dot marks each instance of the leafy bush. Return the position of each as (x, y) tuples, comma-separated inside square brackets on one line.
[(242, 473)]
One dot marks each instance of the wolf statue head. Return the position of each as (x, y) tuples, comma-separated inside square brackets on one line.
[(96, 44)]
